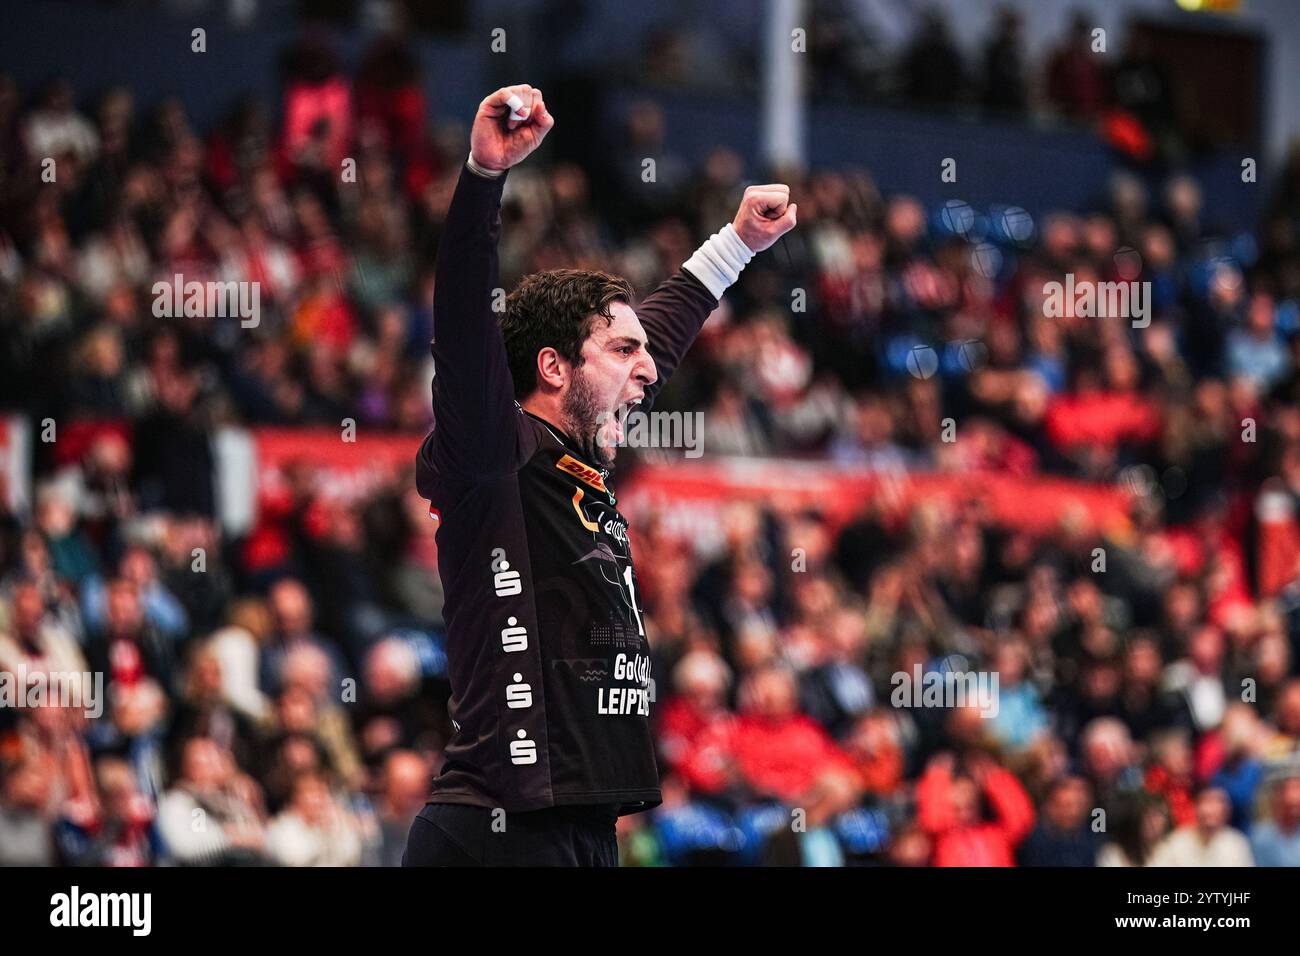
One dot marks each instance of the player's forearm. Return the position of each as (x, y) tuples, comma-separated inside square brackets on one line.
[(467, 249), (473, 395), (672, 316), (676, 311), (466, 272)]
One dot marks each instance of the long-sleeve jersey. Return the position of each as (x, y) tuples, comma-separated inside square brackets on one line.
[(548, 658)]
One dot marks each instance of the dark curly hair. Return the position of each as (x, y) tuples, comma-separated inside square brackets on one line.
[(556, 309)]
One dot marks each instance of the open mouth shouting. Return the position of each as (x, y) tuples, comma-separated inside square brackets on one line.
[(612, 427)]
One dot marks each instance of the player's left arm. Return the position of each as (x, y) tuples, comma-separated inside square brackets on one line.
[(674, 313)]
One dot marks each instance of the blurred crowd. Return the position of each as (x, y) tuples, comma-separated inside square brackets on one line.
[(280, 696), (1128, 86), (915, 57)]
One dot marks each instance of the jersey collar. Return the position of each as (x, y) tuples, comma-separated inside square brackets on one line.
[(564, 439)]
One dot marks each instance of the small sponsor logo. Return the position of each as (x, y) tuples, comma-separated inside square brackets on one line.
[(514, 638), (589, 670), (505, 580), (519, 694), (601, 552), (577, 506), (524, 750), (584, 473)]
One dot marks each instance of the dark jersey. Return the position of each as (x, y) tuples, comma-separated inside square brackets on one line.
[(549, 664)]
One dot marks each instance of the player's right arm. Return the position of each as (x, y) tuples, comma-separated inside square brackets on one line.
[(473, 395)]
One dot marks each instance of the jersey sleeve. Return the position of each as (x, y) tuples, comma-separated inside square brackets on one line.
[(672, 316), (476, 428)]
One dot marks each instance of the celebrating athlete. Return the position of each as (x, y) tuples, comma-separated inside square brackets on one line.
[(549, 663)]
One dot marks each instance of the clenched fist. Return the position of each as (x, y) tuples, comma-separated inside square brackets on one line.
[(498, 142), (765, 215)]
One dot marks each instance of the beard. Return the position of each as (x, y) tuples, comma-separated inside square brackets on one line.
[(583, 414)]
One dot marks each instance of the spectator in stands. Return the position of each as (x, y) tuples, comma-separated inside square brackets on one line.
[(1066, 835), (700, 683), (1021, 717), (26, 833), (1108, 759), (933, 72), (1170, 775), (1275, 840), (35, 639), (1137, 824), (876, 745), (119, 830), (129, 648), (308, 707), (977, 818), (213, 814), (837, 691), (775, 753), (162, 610), (1004, 81), (1255, 351), (1077, 82), (1208, 840), (203, 711), (405, 787), (1228, 758), (291, 607), (315, 829)]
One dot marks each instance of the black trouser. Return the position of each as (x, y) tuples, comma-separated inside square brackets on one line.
[(446, 834)]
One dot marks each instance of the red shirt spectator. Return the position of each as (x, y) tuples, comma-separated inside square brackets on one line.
[(772, 749), (948, 809)]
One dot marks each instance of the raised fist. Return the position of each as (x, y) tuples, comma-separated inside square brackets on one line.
[(497, 141), (765, 215)]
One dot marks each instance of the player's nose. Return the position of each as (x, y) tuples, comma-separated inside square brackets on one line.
[(646, 372)]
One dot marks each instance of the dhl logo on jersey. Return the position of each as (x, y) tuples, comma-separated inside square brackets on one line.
[(584, 473)]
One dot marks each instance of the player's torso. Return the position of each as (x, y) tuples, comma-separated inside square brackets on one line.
[(566, 654), (581, 556)]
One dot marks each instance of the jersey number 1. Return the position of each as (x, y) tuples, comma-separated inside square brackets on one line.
[(631, 591)]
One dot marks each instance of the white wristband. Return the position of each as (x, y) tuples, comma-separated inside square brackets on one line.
[(478, 170), (718, 262)]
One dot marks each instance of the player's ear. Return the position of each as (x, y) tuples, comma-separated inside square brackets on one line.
[(552, 369)]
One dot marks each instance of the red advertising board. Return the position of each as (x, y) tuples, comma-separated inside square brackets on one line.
[(689, 496), (339, 469)]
